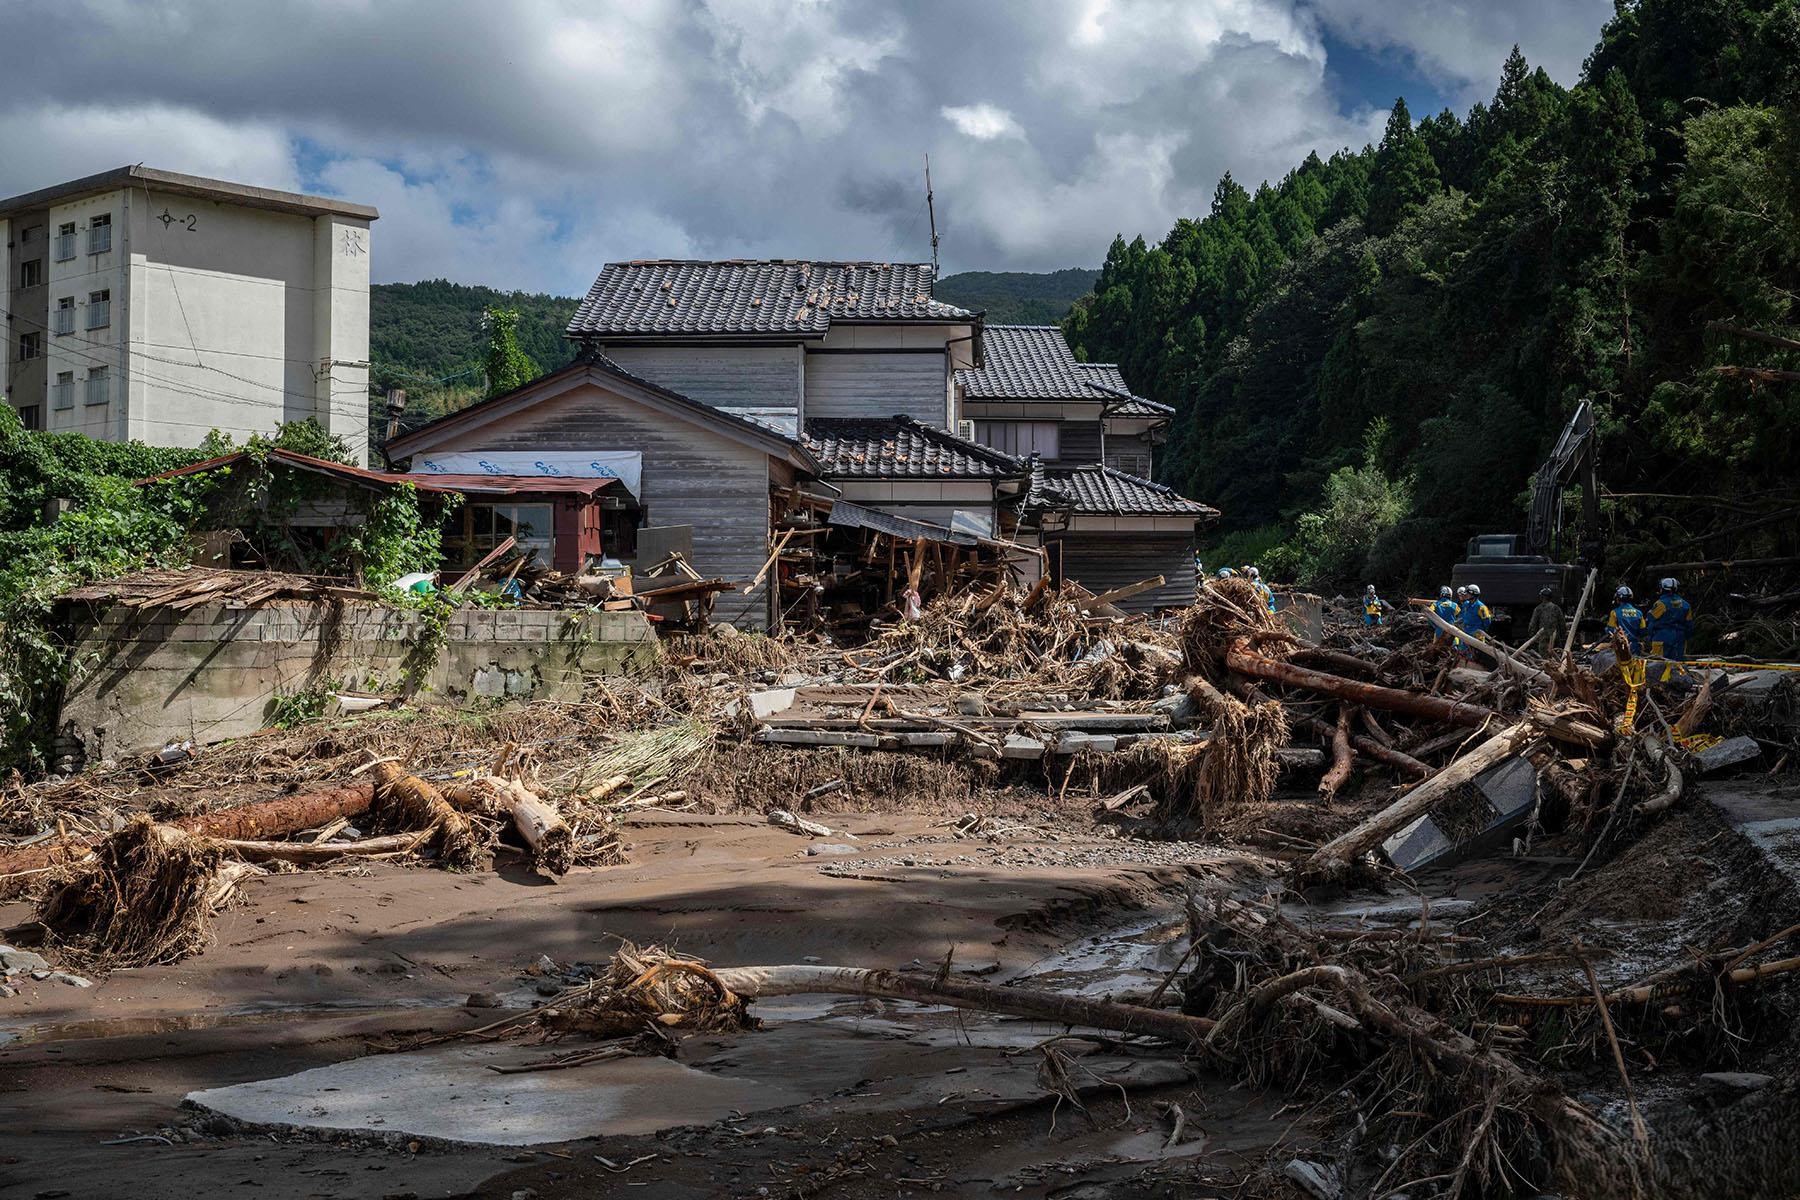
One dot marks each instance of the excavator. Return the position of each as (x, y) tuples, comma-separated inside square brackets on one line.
[(1511, 568)]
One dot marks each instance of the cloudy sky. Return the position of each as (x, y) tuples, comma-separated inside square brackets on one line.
[(521, 143)]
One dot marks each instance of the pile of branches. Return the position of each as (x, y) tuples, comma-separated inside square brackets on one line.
[(1039, 642)]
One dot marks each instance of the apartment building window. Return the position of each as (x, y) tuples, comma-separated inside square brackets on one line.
[(62, 317), (100, 234), (31, 273), (99, 309), (63, 394), (65, 242), (31, 416), (1020, 438), (99, 382), (31, 345)]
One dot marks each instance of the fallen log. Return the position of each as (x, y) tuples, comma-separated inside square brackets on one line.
[(280, 817), (1341, 761), (1669, 794), (1649, 992), (545, 833), (755, 983), (1334, 858), (1240, 658), (1500, 656), (303, 853), (405, 803)]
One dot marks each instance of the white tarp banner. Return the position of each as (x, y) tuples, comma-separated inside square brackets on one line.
[(627, 466)]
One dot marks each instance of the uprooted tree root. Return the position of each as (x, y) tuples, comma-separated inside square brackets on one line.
[(1462, 1109), (405, 803), (145, 897)]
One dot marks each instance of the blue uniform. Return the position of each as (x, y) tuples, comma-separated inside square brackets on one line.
[(1630, 618), (1475, 617), (1372, 606), (1449, 610), (1671, 622), (1263, 590)]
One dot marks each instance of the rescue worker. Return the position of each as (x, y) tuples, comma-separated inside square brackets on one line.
[(1671, 623), (1475, 617), (1446, 608), (1546, 620), (1374, 607), (1227, 573), (1262, 589), (1628, 618)]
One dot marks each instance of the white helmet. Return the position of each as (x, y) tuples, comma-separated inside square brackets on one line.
[(1670, 584), (1227, 573), (1369, 590), (1253, 573), (1462, 593), (1474, 589), (1444, 593), (1624, 593)]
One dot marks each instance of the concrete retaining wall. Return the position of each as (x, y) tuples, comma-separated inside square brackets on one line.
[(144, 678)]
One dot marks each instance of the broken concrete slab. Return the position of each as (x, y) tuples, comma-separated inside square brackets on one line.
[(1731, 752), (1509, 788), (450, 1094), (819, 737), (1017, 745), (1074, 742)]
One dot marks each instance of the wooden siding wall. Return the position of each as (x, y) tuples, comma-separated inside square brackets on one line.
[(723, 376), (876, 385), (1103, 561), (692, 476), (1078, 442)]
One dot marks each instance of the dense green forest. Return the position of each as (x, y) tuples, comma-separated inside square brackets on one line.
[(1370, 356), (428, 334), (1017, 297)]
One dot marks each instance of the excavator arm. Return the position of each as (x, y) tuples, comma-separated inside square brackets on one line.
[(1571, 460)]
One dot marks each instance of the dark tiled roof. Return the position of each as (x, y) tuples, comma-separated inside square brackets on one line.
[(1034, 362), (783, 296), (902, 448), (1102, 491)]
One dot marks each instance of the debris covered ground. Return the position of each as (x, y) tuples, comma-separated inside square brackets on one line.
[(1022, 896)]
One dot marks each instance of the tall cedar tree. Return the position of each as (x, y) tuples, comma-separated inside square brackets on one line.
[(1404, 175)]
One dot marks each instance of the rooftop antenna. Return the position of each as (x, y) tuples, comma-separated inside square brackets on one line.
[(931, 211)]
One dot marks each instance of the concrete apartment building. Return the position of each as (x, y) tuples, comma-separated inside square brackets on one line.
[(150, 306)]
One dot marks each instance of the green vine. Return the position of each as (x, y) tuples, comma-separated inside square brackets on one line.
[(396, 539)]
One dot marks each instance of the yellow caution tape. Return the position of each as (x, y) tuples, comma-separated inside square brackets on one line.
[(1694, 743), (1632, 671)]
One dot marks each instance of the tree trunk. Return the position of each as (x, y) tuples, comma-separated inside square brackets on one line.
[(1339, 774), (1488, 648), (1242, 659), (763, 982), (279, 817)]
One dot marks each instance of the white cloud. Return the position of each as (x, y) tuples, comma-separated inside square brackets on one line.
[(42, 144), (521, 143), (1461, 43), (983, 122)]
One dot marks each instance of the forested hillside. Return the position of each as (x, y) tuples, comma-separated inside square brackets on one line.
[(1371, 356), (430, 331), (1017, 297)]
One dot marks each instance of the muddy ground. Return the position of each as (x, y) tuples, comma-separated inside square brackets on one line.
[(833, 1097), (312, 968)]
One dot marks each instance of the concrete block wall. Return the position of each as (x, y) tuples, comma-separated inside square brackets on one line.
[(144, 678)]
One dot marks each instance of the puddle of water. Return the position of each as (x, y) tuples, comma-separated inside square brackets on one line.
[(256, 1013), (1131, 958)]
